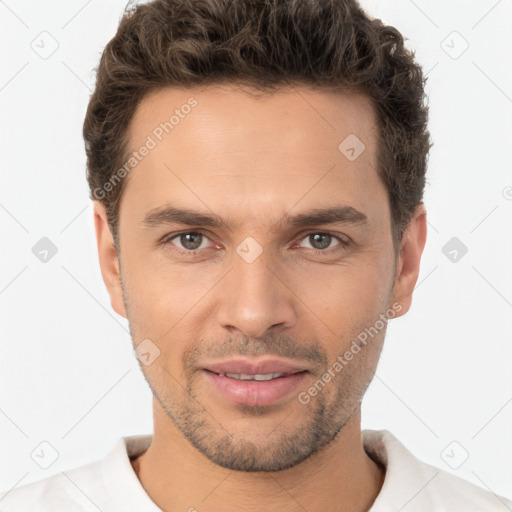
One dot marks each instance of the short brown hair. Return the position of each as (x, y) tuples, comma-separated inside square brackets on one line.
[(265, 44)]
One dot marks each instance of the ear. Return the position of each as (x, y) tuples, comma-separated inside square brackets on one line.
[(408, 266), (109, 262)]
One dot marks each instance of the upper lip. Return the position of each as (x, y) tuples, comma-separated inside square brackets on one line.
[(253, 367)]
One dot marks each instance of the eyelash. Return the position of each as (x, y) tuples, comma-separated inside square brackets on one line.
[(341, 246)]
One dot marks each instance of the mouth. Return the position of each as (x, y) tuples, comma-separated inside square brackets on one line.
[(254, 383), (258, 376), (244, 367)]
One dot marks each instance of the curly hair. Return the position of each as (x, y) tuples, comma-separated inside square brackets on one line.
[(265, 44)]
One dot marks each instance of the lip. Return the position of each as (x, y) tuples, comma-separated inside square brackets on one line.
[(253, 367), (252, 392)]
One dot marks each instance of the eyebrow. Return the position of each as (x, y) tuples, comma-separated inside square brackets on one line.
[(332, 215)]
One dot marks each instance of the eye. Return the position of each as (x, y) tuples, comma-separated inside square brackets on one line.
[(321, 241), (191, 241)]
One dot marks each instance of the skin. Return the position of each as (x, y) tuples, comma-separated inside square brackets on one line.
[(253, 160)]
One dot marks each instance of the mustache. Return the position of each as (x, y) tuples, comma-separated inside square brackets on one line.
[(272, 345)]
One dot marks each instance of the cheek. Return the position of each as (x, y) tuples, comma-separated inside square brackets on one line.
[(342, 295), (344, 303), (157, 285), (165, 301)]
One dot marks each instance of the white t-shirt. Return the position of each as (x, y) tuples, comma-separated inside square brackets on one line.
[(111, 485)]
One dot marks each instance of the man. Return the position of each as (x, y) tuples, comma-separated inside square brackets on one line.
[(257, 171)]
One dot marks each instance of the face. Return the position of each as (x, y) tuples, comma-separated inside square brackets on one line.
[(255, 242)]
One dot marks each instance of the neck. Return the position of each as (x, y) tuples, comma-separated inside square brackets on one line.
[(178, 477)]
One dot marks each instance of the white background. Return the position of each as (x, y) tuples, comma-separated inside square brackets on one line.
[(67, 372)]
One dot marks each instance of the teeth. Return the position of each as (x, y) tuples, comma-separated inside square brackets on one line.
[(259, 376)]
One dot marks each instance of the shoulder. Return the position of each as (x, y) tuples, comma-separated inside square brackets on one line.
[(61, 491), (108, 484), (413, 485)]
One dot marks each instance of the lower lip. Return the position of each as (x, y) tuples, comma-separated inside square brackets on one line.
[(252, 392)]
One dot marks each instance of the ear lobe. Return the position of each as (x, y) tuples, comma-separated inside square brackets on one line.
[(408, 267), (108, 259)]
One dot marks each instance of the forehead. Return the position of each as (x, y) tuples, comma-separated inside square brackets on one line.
[(251, 118), (218, 142)]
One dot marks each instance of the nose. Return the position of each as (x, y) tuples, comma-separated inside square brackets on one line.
[(255, 297)]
